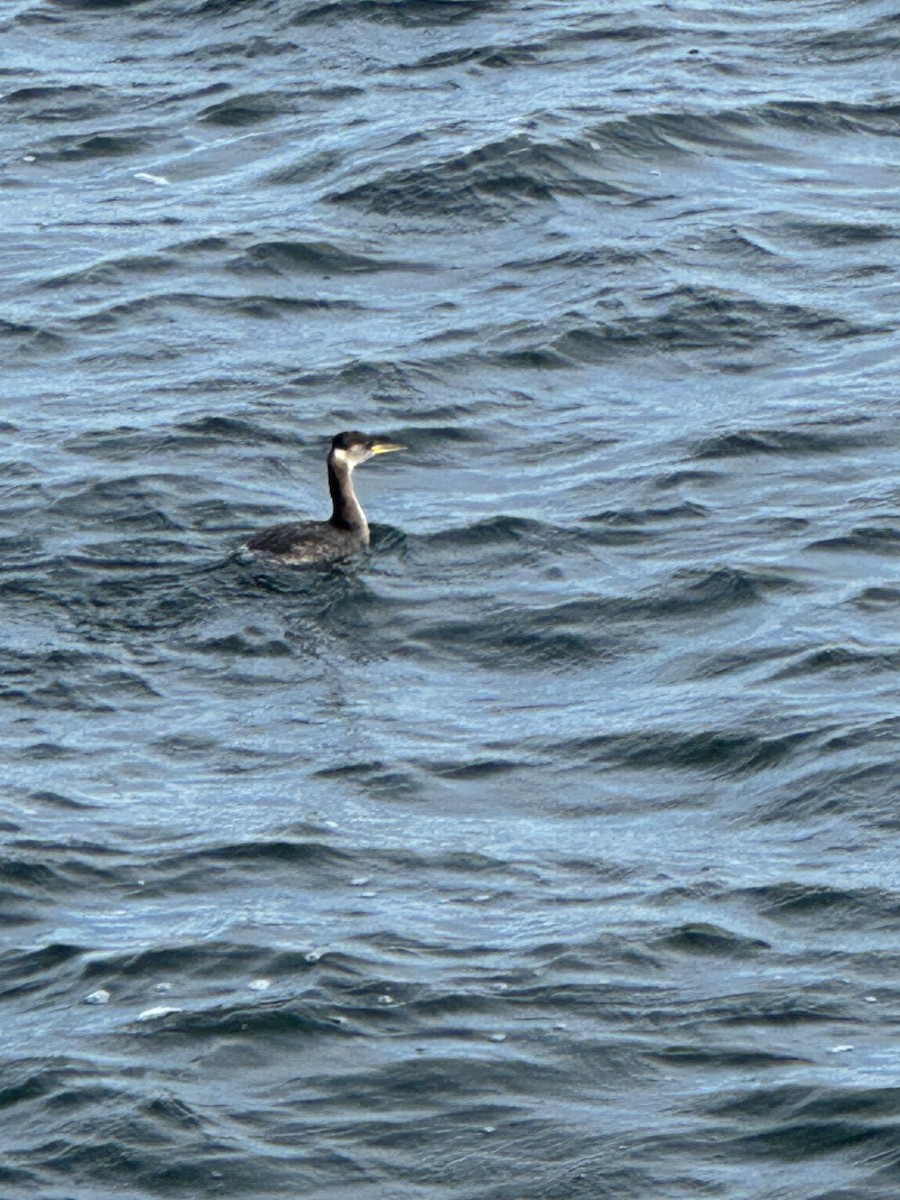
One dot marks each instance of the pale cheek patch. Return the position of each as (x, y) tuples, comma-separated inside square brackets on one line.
[(341, 455)]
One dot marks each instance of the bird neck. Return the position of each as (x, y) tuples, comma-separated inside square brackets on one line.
[(347, 512)]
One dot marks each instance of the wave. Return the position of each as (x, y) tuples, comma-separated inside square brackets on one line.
[(734, 132), (574, 634), (825, 905), (29, 338), (115, 1135), (412, 13), (127, 500), (841, 233), (866, 539), (717, 751), (643, 516), (831, 116), (70, 681), (77, 147), (745, 1058), (249, 108), (131, 313), (878, 597), (34, 874), (60, 102), (496, 56), (704, 939), (820, 438), (232, 864), (845, 661), (717, 590), (864, 793), (682, 319), (314, 257), (487, 182), (127, 442), (499, 530)]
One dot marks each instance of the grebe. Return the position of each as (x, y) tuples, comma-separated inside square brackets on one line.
[(347, 531)]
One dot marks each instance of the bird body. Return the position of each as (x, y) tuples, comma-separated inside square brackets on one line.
[(346, 533)]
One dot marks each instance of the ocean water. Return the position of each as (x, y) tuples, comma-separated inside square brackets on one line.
[(550, 852)]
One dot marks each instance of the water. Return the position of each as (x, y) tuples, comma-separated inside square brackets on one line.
[(551, 852)]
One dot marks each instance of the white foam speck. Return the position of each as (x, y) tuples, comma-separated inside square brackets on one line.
[(260, 985), (839, 1049), (159, 180), (161, 1010), (101, 996)]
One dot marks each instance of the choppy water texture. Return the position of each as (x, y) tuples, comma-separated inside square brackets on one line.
[(552, 852)]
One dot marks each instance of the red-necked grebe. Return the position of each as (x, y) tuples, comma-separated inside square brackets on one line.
[(347, 531)]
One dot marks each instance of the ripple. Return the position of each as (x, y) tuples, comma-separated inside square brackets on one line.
[(868, 539), (830, 907), (23, 972), (28, 338), (863, 793), (60, 102), (831, 116), (798, 441), (59, 869), (719, 590), (843, 660), (411, 13), (98, 146), (114, 271), (317, 258), (484, 184), (700, 938), (792, 1139), (234, 864), (71, 682), (720, 752), (878, 597), (842, 233), (130, 313), (249, 108)]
